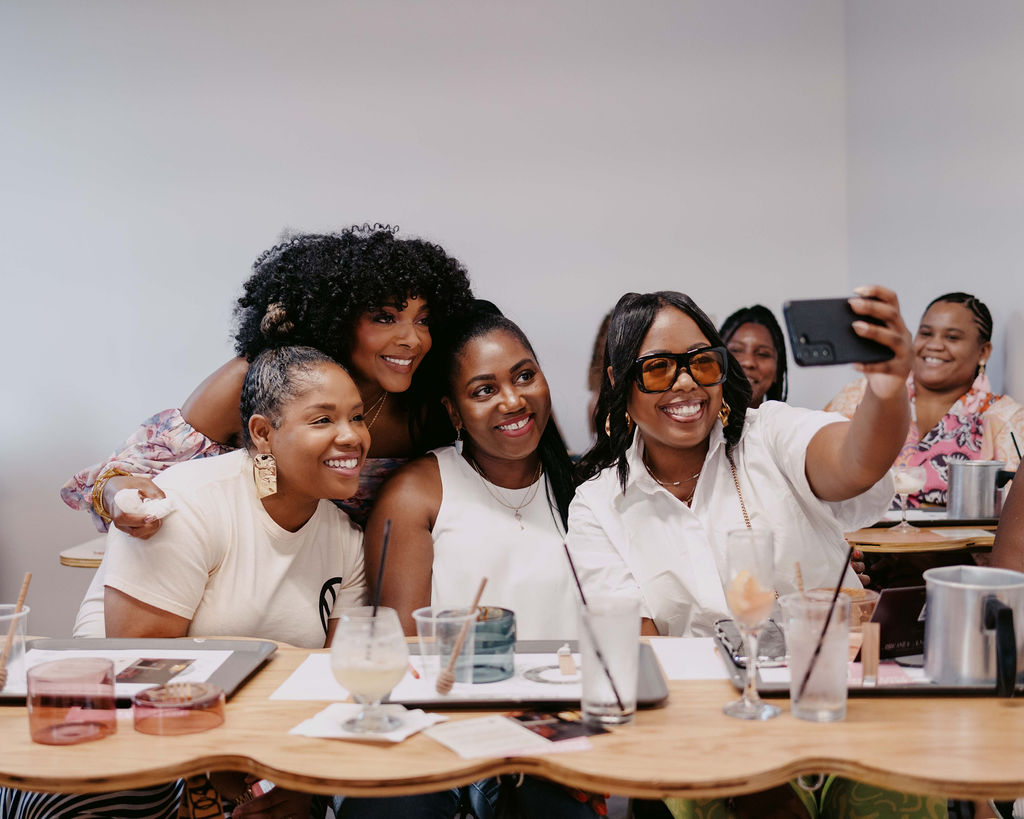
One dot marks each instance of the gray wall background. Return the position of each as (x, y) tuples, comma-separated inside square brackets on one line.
[(740, 151)]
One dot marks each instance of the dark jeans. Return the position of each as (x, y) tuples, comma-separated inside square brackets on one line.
[(535, 797)]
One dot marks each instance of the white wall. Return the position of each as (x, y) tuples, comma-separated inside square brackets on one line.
[(936, 158), (565, 152)]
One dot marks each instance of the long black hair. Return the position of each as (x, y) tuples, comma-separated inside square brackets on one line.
[(759, 314), (483, 318), (630, 321)]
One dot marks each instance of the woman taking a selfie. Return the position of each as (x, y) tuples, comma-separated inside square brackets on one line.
[(366, 298), (955, 416), (682, 460)]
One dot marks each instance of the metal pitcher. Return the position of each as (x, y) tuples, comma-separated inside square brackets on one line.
[(974, 627), (975, 489)]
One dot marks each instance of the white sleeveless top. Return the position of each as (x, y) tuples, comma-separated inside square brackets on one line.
[(524, 562)]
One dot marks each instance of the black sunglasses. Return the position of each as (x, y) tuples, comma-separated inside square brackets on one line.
[(658, 372)]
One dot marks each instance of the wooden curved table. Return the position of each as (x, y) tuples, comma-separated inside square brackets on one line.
[(86, 555), (882, 540), (968, 748)]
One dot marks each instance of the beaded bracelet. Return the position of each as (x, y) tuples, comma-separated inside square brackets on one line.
[(97, 491)]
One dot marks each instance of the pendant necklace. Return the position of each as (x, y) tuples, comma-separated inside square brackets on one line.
[(516, 508)]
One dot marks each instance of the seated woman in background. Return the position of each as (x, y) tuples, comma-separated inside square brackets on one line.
[(755, 339), (365, 297), (955, 415), (498, 508), (252, 549)]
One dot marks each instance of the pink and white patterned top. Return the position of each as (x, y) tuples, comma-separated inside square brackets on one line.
[(167, 438), (977, 427)]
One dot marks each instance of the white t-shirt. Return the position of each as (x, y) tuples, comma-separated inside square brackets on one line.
[(645, 541), (476, 536), (222, 562)]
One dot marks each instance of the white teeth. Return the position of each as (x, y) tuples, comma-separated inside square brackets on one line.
[(401, 362), (931, 360), (684, 410), (342, 463), (514, 426)]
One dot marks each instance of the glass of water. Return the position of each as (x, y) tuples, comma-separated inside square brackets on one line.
[(821, 695)]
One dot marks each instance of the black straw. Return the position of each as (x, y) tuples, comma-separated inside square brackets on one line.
[(1014, 439), (590, 628), (380, 568), (824, 629)]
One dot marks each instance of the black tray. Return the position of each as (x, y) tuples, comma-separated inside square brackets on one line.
[(652, 690), (246, 656), (738, 675)]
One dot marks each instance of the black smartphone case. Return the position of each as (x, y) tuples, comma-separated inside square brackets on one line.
[(821, 332)]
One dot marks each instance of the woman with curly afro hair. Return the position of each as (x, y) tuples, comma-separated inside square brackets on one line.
[(366, 297)]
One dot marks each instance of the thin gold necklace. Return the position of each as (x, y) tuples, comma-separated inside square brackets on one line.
[(378, 405), (671, 483), (516, 509), (667, 484)]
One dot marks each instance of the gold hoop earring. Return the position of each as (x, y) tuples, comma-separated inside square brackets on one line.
[(723, 413), (264, 473), (608, 423)]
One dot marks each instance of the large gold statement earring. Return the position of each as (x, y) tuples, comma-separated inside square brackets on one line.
[(723, 413), (981, 368), (264, 472)]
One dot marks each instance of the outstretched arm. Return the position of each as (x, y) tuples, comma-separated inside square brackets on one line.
[(411, 500), (844, 460)]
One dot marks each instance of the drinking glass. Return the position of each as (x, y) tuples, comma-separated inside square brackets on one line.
[(368, 657), (750, 593), (909, 479)]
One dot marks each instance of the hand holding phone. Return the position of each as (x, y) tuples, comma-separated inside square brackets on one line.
[(821, 332)]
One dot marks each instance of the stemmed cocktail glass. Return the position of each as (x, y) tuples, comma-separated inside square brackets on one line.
[(369, 656), (909, 479), (750, 593)]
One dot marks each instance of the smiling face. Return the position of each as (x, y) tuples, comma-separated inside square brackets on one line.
[(681, 417), (753, 347), (948, 348), (319, 442), (499, 397), (389, 345)]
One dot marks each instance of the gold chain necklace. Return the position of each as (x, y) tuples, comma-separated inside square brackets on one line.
[(378, 405), (666, 484), (516, 509)]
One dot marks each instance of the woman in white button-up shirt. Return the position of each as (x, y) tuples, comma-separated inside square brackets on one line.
[(680, 461)]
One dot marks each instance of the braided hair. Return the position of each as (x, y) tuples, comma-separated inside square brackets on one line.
[(982, 316)]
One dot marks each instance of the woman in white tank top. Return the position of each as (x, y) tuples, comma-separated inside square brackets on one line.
[(494, 507)]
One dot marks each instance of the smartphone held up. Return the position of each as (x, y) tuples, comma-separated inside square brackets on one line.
[(821, 332)]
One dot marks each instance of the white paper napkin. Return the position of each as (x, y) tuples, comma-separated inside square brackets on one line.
[(328, 722), (132, 502)]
